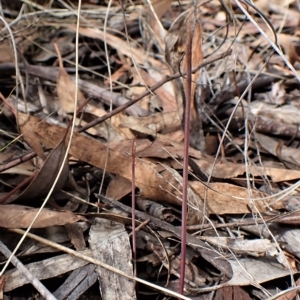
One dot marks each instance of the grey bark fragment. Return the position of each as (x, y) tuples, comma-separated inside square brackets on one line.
[(110, 244)]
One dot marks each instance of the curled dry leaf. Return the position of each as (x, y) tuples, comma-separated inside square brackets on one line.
[(30, 135), (176, 41), (284, 113), (277, 148), (91, 151), (160, 7), (19, 216), (45, 178)]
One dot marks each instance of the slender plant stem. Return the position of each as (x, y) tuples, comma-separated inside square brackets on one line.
[(187, 115), (133, 154)]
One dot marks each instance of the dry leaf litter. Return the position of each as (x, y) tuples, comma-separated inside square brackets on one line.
[(244, 156)]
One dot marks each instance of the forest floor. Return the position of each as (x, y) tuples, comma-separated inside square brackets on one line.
[(114, 114)]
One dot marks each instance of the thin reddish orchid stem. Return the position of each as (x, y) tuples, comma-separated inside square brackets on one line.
[(133, 153), (187, 114)]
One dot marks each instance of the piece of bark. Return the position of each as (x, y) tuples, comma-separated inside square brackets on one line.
[(77, 283), (48, 268), (27, 274), (110, 243), (210, 255), (156, 210)]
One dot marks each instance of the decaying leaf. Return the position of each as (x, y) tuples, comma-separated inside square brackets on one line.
[(257, 247), (159, 8), (30, 135), (43, 181), (277, 148), (19, 216), (175, 40), (227, 170), (66, 88), (152, 186), (225, 198), (118, 187)]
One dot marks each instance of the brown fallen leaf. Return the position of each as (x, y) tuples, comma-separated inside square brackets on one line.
[(19, 216), (160, 7), (43, 181), (155, 186), (168, 100), (118, 188), (222, 198), (227, 170), (152, 185), (288, 42), (66, 88), (30, 135), (176, 40)]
